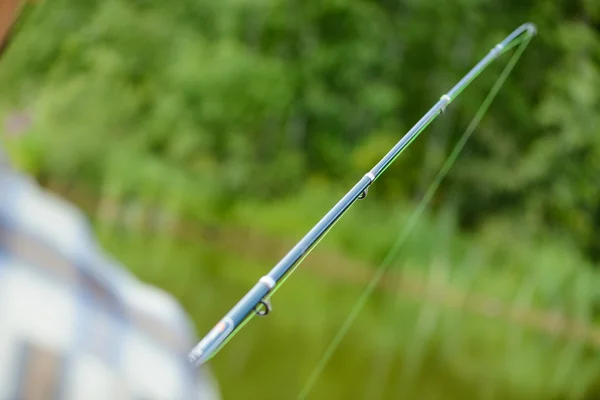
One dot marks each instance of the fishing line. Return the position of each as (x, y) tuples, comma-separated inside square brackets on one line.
[(392, 253)]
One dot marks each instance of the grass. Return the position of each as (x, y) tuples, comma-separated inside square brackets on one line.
[(499, 314), (403, 345)]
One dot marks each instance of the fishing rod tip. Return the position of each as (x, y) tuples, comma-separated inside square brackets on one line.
[(531, 28)]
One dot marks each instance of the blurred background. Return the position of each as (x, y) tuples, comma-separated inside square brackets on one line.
[(204, 138)]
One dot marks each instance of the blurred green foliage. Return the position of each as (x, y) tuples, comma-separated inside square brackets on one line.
[(266, 94), (255, 116)]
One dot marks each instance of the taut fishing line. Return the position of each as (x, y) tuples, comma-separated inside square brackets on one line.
[(521, 36)]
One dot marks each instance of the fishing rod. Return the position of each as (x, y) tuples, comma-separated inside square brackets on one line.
[(257, 300)]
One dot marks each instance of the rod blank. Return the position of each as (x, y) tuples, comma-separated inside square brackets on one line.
[(258, 296)]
